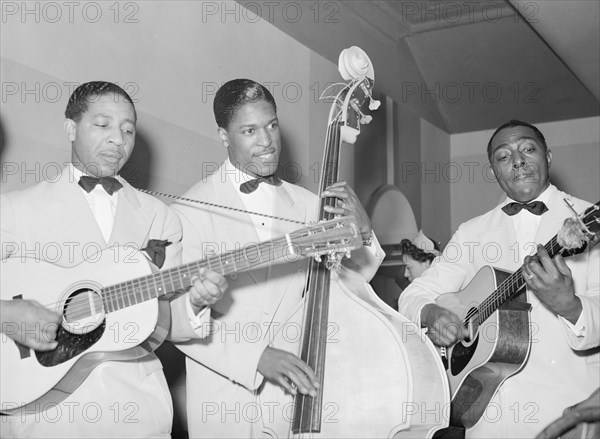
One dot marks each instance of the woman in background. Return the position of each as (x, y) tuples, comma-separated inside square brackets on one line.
[(417, 255)]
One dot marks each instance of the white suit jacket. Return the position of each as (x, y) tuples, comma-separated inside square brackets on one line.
[(118, 399), (222, 368), (562, 368)]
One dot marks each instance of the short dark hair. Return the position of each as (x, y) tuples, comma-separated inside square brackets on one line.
[(85, 93), (236, 93), (517, 123), (418, 254)]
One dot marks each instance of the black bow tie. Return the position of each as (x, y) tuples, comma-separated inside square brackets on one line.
[(109, 184), (536, 207), (251, 185)]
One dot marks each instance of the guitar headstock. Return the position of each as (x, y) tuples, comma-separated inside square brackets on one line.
[(339, 235), (580, 232), (355, 66)]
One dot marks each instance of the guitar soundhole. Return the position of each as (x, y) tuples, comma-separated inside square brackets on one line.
[(82, 326)]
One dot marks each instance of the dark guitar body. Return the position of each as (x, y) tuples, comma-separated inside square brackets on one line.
[(499, 348)]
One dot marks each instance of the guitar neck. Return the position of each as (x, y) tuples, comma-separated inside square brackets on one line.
[(179, 278), (508, 289)]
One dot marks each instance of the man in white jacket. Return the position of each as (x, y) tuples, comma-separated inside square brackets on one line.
[(563, 364)]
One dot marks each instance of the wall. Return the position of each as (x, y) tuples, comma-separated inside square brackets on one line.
[(575, 146), (171, 57), (435, 187)]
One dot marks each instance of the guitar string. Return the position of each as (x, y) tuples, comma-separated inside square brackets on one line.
[(151, 280), (552, 247), (111, 292), (255, 250), (329, 164), (515, 280), (492, 302)]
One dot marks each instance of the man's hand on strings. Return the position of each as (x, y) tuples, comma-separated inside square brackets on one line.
[(288, 371), (551, 281), (207, 288), (347, 203)]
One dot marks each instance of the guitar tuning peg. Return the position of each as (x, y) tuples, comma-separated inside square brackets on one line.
[(365, 119), (374, 104)]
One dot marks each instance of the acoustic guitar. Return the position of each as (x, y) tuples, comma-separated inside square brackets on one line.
[(107, 315), (478, 366)]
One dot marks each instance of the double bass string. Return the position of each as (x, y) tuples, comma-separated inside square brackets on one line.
[(317, 305)]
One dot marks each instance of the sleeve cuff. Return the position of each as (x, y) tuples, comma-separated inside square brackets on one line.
[(372, 244), (197, 321), (577, 329)]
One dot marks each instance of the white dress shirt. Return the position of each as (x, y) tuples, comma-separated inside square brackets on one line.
[(102, 205)]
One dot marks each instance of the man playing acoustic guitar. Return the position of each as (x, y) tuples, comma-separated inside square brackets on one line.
[(560, 366), (89, 207)]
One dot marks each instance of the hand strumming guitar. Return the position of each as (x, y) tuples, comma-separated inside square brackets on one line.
[(444, 328), (29, 323)]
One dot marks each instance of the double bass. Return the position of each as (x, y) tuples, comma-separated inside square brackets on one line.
[(380, 376)]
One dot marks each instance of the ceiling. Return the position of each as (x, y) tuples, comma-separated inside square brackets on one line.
[(469, 65)]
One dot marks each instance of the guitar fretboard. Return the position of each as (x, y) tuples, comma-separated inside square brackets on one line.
[(515, 282), (176, 279)]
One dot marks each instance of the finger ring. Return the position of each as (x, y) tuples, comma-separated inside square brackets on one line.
[(530, 276)]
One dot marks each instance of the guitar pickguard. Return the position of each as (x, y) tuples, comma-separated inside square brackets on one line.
[(69, 345), (461, 355)]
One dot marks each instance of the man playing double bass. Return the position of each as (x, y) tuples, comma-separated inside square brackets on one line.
[(225, 370), (563, 364)]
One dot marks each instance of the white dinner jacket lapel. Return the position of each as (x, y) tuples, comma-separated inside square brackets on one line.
[(70, 213), (499, 232), (133, 220)]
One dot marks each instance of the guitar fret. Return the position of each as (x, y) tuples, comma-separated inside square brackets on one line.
[(175, 280), (167, 280), (136, 292), (162, 288), (106, 300), (126, 295), (185, 276), (139, 293), (221, 265), (121, 299)]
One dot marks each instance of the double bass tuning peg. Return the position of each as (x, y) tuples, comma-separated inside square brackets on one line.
[(365, 119), (374, 104)]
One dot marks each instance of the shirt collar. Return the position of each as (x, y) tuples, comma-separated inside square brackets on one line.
[(236, 175), (544, 196), (76, 173)]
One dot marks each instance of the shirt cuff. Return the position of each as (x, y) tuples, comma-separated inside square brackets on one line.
[(578, 329), (196, 320), (373, 246)]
